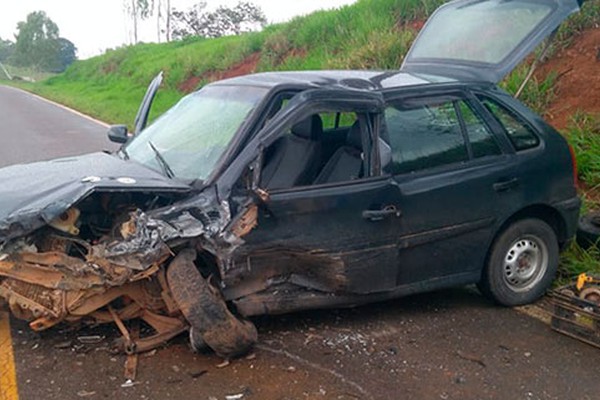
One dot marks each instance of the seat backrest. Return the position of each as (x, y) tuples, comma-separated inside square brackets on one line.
[(293, 159), (346, 163)]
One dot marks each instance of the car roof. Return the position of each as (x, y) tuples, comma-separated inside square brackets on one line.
[(365, 80)]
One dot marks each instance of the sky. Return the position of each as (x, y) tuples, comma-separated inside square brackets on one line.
[(96, 25)]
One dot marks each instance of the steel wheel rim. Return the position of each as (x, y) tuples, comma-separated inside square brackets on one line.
[(525, 263)]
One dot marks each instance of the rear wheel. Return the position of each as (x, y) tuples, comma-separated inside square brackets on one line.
[(522, 263)]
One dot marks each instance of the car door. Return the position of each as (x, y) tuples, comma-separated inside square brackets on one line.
[(319, 235), (452, 185), (484, 39)]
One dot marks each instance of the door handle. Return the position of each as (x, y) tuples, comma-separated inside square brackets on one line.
[(504, 185), (379, 215)]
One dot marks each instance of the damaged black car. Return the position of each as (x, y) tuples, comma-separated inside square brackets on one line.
[(277, 192)]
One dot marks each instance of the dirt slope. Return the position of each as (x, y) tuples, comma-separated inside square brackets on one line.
[(578, 84)]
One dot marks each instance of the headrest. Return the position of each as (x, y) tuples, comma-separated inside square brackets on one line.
[(309, 128), (354, 138)]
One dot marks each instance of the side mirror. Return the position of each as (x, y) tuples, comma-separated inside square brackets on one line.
[(118, 134), (385, 153)]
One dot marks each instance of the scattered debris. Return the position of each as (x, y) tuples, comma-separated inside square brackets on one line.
[(131, 362), (320, 368), (85, 393), (576, 309), (91, 339), (470, 357), (63, 345), (129, 383), (198, 373)]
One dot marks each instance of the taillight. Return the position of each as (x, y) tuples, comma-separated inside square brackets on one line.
[(574, 166)]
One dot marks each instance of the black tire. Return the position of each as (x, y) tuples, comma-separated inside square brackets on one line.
[(212, 324), (521, 263), (588, 230)]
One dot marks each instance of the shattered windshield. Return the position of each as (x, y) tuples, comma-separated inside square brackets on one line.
[(187, 141)]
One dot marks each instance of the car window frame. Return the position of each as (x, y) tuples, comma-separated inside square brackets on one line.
[(304, 104), (451, 94), (499, 126), (371, 159)]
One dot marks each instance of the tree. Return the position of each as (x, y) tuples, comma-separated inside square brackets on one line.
[(6, 49), (138, 10), (67, 53), (195, 21), (39, 45)]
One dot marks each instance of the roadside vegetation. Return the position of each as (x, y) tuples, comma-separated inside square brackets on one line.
[(370, 34)]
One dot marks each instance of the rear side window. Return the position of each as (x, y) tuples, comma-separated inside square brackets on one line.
[(424, 136), (481, 138), (519, 133)]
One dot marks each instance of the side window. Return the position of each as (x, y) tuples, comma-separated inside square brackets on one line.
[(325, 147), (338, 120), (521, 135), (424, 136), (482, 140)]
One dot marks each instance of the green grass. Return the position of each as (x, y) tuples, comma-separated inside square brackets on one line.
[(576, 260), (25, 74), (583, 133), (368, 34)]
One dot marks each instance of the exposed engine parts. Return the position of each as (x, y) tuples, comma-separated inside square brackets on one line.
[(114, 266)]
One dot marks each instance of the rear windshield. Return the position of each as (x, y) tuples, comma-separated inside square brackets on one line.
[(484, 32)]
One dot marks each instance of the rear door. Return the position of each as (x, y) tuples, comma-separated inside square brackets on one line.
[(454, 183), (484, 39)]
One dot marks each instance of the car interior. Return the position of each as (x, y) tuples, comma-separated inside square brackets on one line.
[(322, 148)]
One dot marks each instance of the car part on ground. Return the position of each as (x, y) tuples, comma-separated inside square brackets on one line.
[(588, 230), (576, 309)]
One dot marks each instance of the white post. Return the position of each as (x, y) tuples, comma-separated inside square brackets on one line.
[(6, 72)]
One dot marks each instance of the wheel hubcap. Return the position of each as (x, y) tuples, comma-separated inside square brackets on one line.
[(525, 263)]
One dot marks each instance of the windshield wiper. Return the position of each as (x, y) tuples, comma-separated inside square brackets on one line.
[(162, 162), (124, 153)]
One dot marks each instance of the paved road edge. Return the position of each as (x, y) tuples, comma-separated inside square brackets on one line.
[(59, 106)]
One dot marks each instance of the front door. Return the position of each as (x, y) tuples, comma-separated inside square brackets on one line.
[(325, 225)]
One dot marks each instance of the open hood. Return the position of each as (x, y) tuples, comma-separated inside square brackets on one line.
[(34, 194), (484, 39)]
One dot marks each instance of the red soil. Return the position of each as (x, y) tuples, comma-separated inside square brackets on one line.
[(578, 84), (246, 66)]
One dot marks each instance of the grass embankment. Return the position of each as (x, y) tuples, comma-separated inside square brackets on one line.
[(371, 34)]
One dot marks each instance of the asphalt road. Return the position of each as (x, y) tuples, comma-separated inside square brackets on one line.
[(445, 345), (32, 129)]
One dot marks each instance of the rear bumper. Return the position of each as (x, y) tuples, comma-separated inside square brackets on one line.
[(569, 210)]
